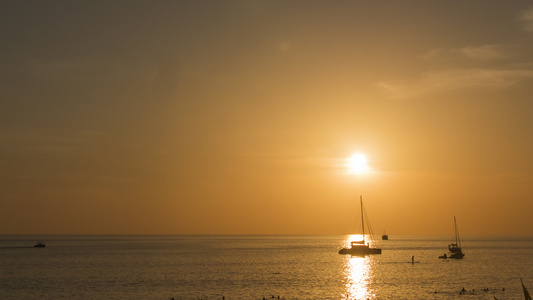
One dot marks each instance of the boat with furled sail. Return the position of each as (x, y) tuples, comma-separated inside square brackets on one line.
[(361, 247), (454, 248)]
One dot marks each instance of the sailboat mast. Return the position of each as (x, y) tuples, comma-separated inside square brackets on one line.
[(457, 241), (362, 220)]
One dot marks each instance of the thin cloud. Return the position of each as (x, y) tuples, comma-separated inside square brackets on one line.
[(526, 17), (483, 53), (470, 55), (486, 66), (455, 79)]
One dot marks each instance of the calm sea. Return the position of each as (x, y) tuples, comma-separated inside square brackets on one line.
[(257, 267)]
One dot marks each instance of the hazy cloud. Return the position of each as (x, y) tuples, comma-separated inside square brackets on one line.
[(526, 17), (484, 53), (454, 79), (486, 66), (470, 55)]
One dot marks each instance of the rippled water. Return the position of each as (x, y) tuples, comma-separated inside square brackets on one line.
[(257, 267)]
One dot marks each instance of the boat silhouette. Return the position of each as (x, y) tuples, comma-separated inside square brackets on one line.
[(455, 250), (360, 247)]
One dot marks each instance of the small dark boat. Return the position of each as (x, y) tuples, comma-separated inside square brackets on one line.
[(40, 245), (457, 254), (360, 247), (385, 236)]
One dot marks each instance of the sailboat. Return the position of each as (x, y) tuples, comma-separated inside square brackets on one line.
[(455, 248), (360, 247)]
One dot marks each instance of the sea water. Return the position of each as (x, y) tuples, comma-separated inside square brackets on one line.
[(257, 267)]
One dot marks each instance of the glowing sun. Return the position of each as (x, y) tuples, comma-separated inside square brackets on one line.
[(357, 164)]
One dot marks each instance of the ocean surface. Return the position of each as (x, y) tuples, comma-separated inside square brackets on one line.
[(257, 267)]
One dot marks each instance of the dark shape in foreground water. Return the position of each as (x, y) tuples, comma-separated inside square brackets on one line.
[(40, 245)]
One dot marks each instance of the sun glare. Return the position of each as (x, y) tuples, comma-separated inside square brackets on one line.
[(357, 276), (357, 164)]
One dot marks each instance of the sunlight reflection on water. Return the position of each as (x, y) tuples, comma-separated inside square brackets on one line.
[(357, 274)]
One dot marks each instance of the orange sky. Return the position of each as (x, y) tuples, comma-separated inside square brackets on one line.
[(237, 117)]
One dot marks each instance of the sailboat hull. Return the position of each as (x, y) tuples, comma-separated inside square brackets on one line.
[(457, 255), (360, 251)]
